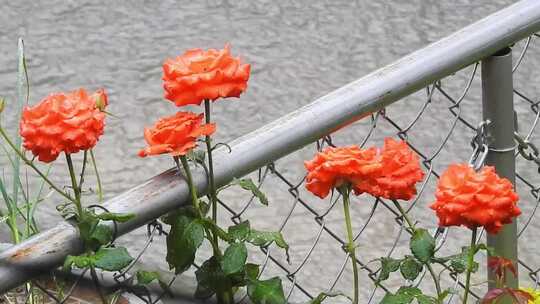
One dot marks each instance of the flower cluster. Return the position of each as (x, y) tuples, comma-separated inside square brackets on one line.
[(391, 172), (475, 199), (191, 78), (63, 122)]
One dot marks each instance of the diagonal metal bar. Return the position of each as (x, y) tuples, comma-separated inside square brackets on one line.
[(354, 101)]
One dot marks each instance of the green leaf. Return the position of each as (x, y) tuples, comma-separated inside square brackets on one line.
[(405, 295), (146, 277), (185, 237), (101, 235), (248, 184), (424, 299), (197, 156), (81, 261), (211, 279), (410, 268), (390, 298), (388, 265), (266, 292), (459, 262), (86, 224), (112, 259), (265, 238), (239, 232), (234, 258), (118, 217), (422, 245), (222, 234), (252, 271)]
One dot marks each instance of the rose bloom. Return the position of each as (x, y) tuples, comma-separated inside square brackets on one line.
[(62, 122), (176, 134), (197, 75), (334, 167), (399, 174), (475, 199)]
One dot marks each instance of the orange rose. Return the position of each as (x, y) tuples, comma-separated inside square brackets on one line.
[(399, 175), (62, 122), (475, 199), (334, 167), (175, 134), (197, 75)]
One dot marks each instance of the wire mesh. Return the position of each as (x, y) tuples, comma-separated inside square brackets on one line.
[(444, 127)]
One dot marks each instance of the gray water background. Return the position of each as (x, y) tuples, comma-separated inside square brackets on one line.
[(299, 50)]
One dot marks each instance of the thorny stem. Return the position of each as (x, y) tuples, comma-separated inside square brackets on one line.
[(76, 189), (31, 165), (470, 261), (410, 224), (351, 248), (211, 182)]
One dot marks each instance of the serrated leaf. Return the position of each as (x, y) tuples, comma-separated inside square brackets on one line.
[(117, 217), (81, 261), (197, 156), (459, 262), (410, 268), (185, 237), (388, 265), (252, 271), (222, 234), (234, 258), (239, 232), (101, 235), (146, 277), (112, 259), (266, 292), (265, 238), (390, 298), (422, 245), (211, 279), (86, 224), (248, 184), (424, 299)]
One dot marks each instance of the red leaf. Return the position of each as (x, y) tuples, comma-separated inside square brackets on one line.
[(499, 264), (492, 295)]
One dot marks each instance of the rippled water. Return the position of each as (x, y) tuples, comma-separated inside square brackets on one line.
[(299, 50)]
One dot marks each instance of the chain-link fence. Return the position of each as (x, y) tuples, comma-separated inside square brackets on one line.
[(447, 128)]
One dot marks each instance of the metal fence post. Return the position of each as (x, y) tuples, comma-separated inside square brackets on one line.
[(498, 108)]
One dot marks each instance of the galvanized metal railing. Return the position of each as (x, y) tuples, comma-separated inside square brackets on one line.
[(165, 192)]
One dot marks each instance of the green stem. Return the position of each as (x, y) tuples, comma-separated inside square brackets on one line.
[(227, 296), (211, 182), (411, 226), (76, 189), (81, 180), (470, 261), (31, 165), (351, 248), (192, 188), (100, 189)]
